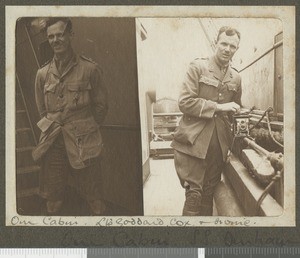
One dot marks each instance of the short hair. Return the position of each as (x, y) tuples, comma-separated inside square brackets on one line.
[(54, 20), (229, 31)]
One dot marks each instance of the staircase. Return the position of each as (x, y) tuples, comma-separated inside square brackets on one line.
[(27, 177)]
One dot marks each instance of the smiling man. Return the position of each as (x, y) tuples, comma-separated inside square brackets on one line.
[(210, 92), (72, 101)]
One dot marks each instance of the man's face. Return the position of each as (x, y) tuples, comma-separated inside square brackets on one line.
[(226, 47), (59, 38)]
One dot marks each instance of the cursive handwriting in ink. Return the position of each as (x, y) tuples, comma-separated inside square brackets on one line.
[(15, 220), (50, 221), (125, 239)]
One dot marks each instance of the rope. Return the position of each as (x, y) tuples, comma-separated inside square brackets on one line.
[(271, 133), (267, 190), (269, 109), (230, 150), (157, 137), (279, 173)]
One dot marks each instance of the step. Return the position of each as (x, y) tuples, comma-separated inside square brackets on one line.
[(23, 149), (24, 138), (24, 157), (24, 129), (21, 111), (27, 181), (28, 192), (22, 120), (28, 169)]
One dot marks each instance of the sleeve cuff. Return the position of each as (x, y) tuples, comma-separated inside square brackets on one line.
[(208, 109)]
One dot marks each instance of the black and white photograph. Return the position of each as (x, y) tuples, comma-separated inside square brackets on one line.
[(215, 117), (124, 116), (77, 117)]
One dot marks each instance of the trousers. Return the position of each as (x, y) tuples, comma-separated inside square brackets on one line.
[(201, 176), (57, 173)]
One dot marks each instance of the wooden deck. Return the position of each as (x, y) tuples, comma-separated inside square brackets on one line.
[(163, 194)]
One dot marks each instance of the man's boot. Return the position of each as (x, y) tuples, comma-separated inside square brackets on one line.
[(192, 203), (98, 207), (206, 207)]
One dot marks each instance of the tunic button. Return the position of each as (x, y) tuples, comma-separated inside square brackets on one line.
[(215, 115), (220, 94)]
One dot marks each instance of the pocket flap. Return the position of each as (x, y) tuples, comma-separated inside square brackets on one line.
[(84, 126), (209, 81), (78, 86), (189, 129), (50, 87), (232, 86)]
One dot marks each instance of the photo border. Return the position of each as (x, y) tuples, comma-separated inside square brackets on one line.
[(145, 236)]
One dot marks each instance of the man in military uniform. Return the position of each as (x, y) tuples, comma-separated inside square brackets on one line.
[(210, 93), (72, 101)]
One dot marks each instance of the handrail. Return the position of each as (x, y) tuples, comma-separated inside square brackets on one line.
[(31, 45), (276, 45), (25, 105)]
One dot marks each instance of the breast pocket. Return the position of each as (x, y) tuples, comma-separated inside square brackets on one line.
[(208, 87), (78, 94), (232, 89), (50, 96)]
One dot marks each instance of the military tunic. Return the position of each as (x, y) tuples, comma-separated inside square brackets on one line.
[(72, 106), (203, 137), (205, 86), (74, 103)]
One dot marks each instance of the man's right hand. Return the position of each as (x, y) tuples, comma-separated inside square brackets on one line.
[(226, 107)]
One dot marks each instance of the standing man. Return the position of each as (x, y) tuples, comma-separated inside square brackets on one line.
[(210, 92), (72, 101)]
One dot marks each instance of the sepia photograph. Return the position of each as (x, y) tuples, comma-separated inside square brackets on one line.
[(77, 117), (150, 117), (213, 117)]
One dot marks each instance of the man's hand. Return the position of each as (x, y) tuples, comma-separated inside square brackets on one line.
[(230, 106)]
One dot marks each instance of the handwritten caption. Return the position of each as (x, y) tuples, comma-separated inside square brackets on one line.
[(131, 221), (137, 239)]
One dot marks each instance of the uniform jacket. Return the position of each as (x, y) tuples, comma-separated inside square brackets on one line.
[(74, 103), (204, 86)]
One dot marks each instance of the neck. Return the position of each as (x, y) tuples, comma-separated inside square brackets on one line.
[(220, 63), (63, 57)]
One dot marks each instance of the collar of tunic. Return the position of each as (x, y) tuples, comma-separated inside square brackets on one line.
[(70, 64), (214, 68)]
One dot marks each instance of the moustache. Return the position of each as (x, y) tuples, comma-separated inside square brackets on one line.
[(56, 44)]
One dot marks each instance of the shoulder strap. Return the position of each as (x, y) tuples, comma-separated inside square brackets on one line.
[(88, 59), (47, 62)]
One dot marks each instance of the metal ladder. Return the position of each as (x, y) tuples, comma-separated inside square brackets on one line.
[(27, 171)]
